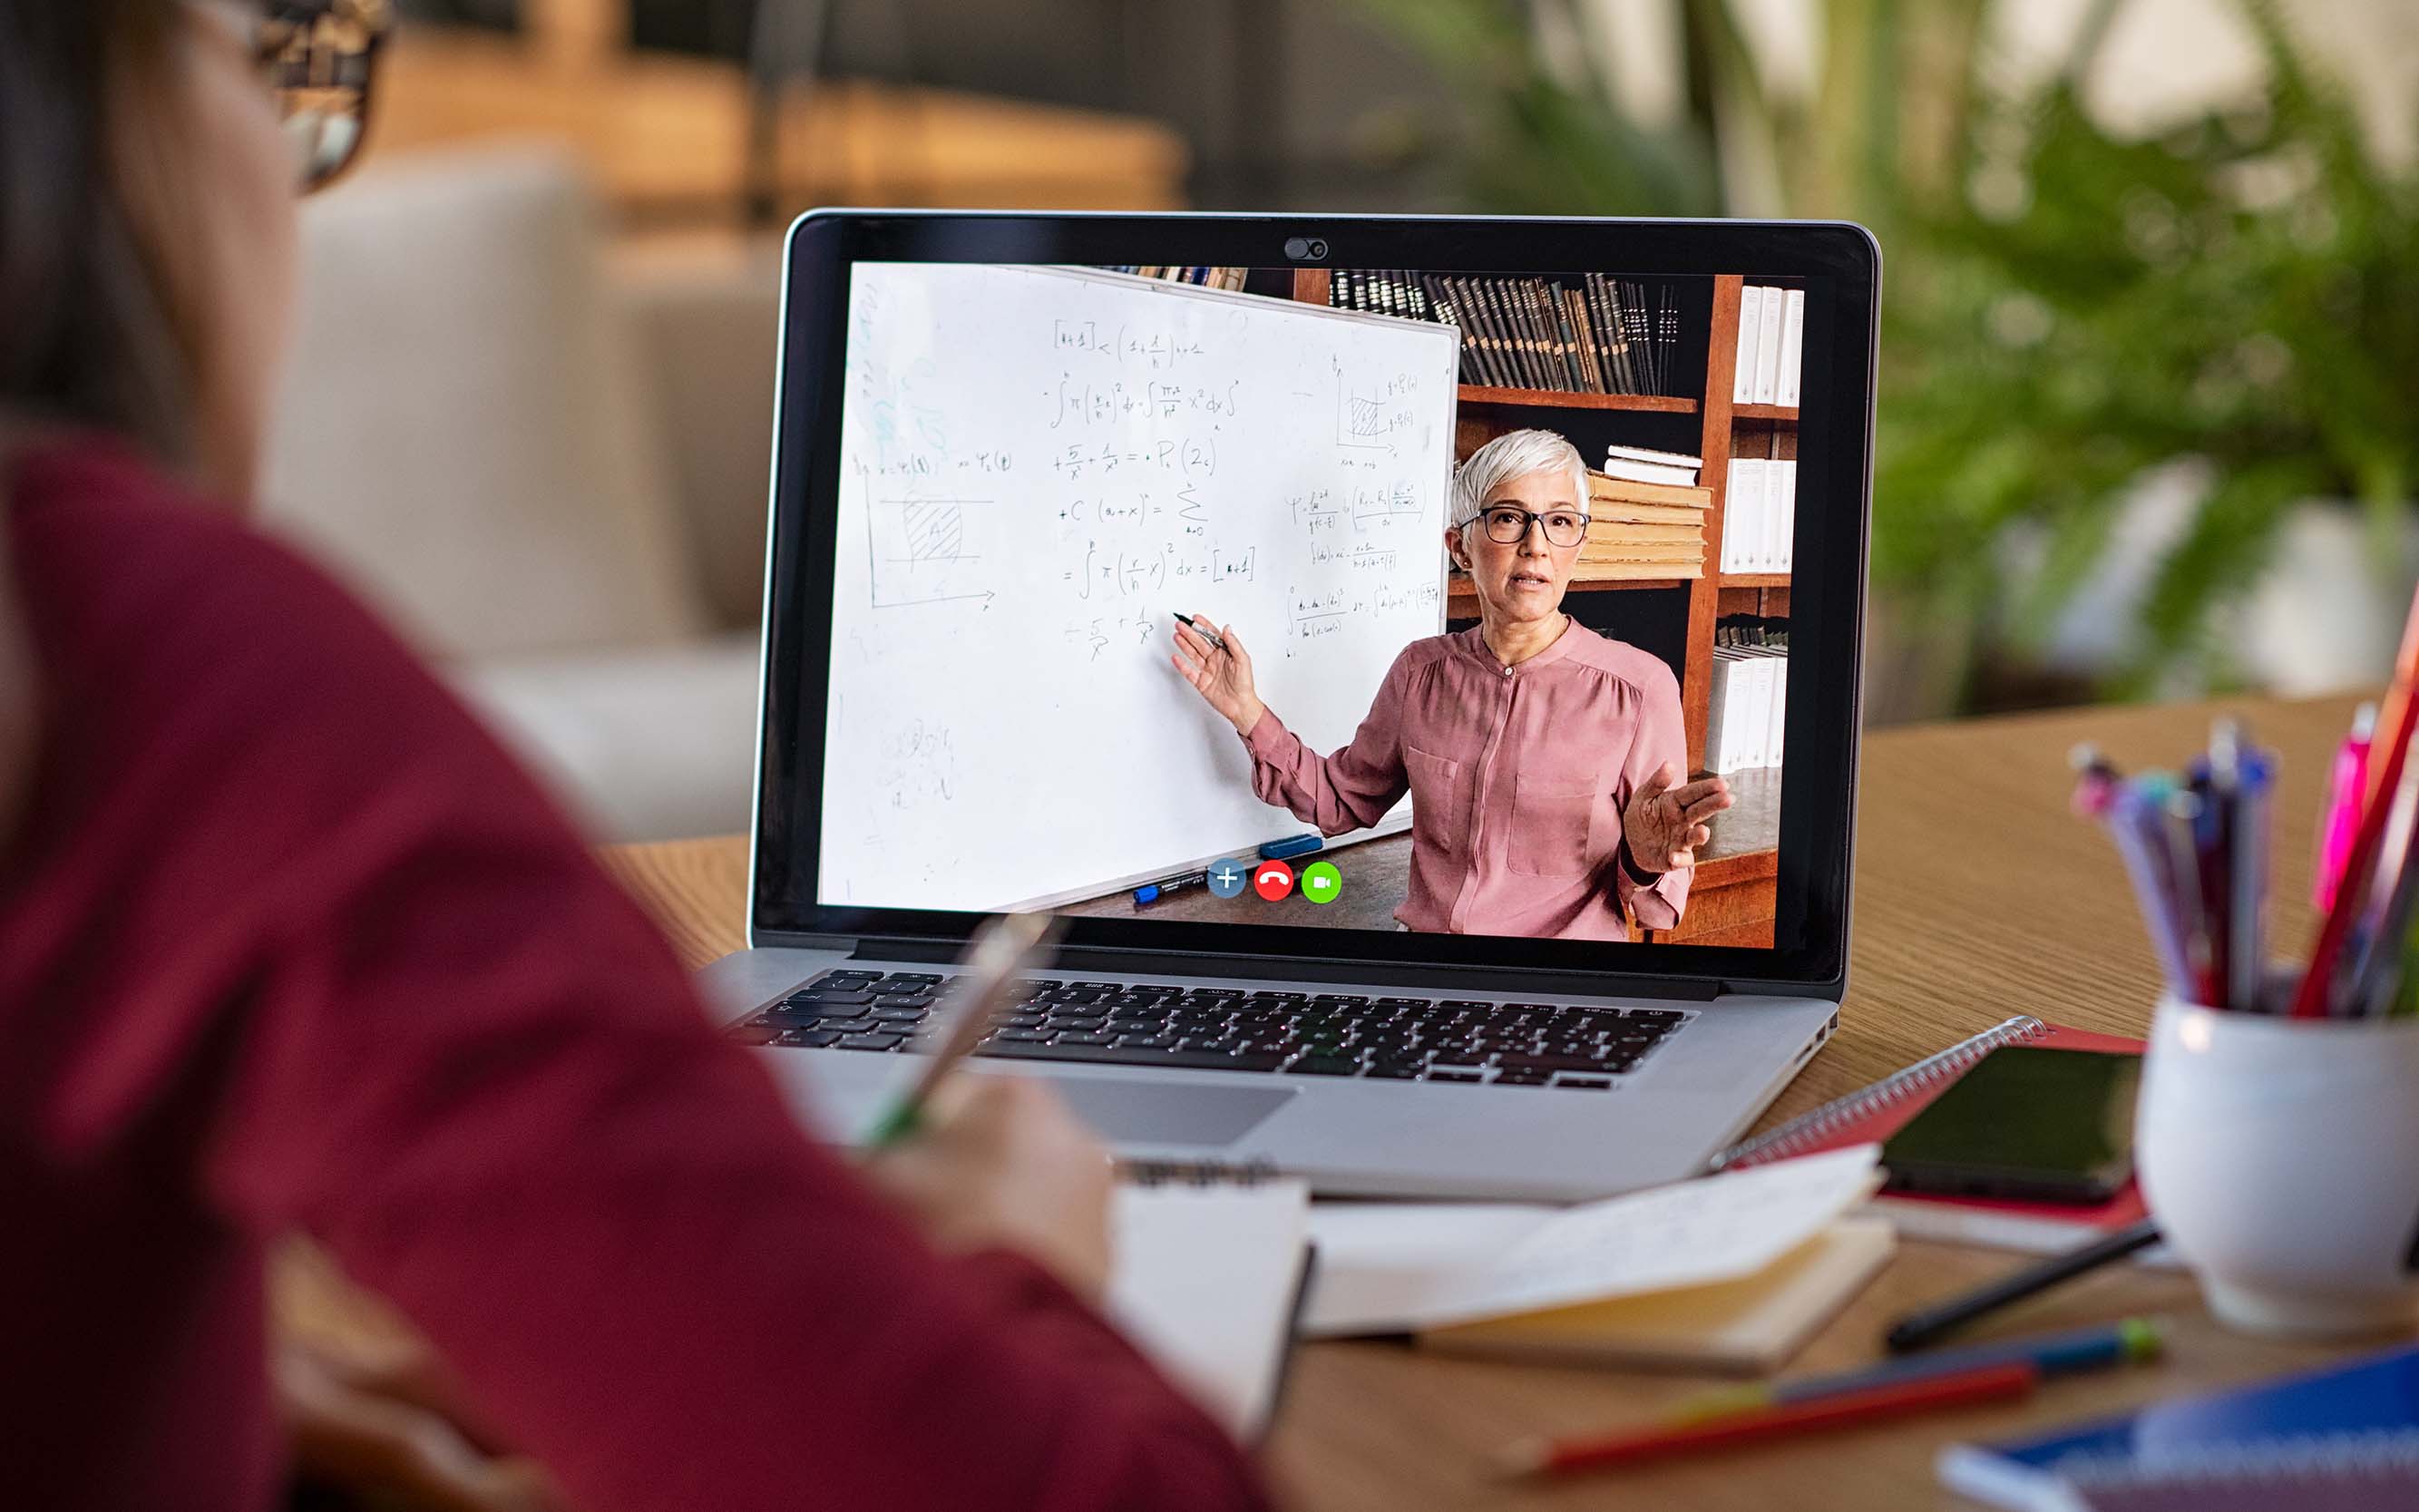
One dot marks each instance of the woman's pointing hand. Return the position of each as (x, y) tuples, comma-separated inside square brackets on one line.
[(1221, 673)]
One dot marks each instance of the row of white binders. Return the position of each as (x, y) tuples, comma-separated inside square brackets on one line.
[(1759, 515), (1747, 707), (1771, 346)]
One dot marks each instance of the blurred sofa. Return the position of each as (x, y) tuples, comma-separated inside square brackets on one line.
[(544, 458)]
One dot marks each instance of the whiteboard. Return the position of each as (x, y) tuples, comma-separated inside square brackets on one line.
[(1040, 467)]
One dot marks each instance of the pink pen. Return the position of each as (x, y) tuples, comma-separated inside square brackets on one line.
[(2347, 789)]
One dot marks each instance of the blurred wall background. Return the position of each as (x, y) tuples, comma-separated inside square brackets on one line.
[(2150, 409)]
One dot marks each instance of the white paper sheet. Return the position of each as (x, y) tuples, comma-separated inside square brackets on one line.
[(1386, 1268)]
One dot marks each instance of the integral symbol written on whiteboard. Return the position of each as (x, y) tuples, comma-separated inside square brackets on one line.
[(1039, 468)]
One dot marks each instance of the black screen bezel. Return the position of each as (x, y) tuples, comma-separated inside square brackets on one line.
[(1838, 262)]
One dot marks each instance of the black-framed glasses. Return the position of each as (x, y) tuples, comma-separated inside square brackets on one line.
[(321, 59), (1509, 525)]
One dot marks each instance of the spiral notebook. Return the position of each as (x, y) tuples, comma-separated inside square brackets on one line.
[(1872, 1113), (1212, 1263), (2327, 1441)]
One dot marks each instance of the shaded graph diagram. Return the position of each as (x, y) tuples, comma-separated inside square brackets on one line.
[(1376, 413), (917, 553)]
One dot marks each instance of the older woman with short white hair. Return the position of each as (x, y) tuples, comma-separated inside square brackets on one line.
[(1544, 762)]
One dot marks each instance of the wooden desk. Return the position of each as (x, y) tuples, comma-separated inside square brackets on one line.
[(1976, 897)]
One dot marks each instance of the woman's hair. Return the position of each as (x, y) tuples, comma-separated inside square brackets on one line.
[(94, 331), (90, 332), (1513, 454)]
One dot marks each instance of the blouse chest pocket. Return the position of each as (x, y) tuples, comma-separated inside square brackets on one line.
[(1553, 817), (1434, 781)]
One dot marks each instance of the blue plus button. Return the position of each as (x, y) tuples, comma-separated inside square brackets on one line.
[(1228, 879)]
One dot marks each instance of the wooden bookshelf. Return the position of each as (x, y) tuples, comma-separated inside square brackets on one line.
[(1665, 403), (1733, 898)]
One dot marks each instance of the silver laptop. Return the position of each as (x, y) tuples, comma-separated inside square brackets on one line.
[(1042, 508)]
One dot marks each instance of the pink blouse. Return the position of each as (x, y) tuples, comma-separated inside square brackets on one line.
[(1518, 777)]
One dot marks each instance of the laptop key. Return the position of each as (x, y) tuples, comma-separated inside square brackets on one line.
[(1147, 1041), (1325, 1066), (808, 1039), (912, 976), (1548, 1064), (871, 1042), (824, 997), (1446, 1075), (899, 1015), (1586, 1084), (1182, 1060), (856, 1026), (1024, 1036), (1086, 1039), (757, 1033)]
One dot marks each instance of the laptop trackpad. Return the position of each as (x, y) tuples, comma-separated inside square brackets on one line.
[(1168, 1113)]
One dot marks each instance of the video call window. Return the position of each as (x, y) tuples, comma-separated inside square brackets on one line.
[(1370, 599)]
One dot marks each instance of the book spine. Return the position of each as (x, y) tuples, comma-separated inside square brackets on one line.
[(1669, 332), (1793, 347), (1447, 313), (1558, 335), (1524, 347), (1576, 304), (1640, 342), (1788, 561), (1549, 299), (1532, 363), (1743, 374), (1603, 336), (1767, 348), (1617, 333), (1479, 368)]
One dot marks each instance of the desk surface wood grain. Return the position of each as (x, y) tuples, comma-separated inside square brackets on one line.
[(1976, 897)]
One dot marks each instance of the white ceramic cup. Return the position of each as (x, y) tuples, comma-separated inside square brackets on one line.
[(2280, 1158)]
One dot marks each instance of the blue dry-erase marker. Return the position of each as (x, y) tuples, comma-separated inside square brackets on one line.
[(1151, 892), (1286, 850)]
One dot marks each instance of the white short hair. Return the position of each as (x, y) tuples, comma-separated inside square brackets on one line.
[(1515, 455)]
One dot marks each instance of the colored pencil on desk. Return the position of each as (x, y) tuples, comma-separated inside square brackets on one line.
[(2396, 715), (1883, 1403)]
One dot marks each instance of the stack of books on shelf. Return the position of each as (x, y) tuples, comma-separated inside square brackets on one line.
[(1748, 703), (1227, 278), (1641, 464), (1771, 346), (1573, 333), (1641, 530), (1759, 515)]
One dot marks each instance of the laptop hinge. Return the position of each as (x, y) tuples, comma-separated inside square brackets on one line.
[(1492, 980)]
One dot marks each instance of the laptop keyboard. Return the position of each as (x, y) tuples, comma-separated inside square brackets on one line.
[(1233, 1028)]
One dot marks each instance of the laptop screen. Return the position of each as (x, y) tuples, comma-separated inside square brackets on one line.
[(1371, 599)]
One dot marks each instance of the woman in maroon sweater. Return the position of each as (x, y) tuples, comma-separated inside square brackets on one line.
[(285, 942)]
